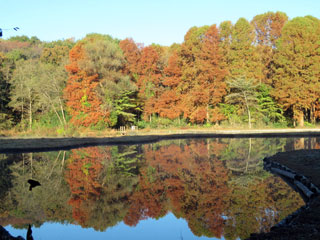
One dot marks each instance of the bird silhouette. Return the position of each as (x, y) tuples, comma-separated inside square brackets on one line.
[(29, 233), (33, 183), (1, 30)]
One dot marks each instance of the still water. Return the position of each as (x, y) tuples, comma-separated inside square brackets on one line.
[(179, 189)]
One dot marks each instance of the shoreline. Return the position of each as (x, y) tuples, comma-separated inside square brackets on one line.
[(23, 145), (301, 167)]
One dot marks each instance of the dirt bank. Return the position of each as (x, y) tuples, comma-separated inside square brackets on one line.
[(18, 145)]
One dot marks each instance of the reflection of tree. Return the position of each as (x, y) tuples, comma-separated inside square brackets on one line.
[(258, 206), (302, 143), (118, 181), (193, 182), (101, 179), (46, 203), (244, 157), (82, 176), (5, 182), (254, 193), (148, 200), (217, 185)]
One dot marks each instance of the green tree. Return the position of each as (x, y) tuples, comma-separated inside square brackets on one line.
[(105, 58), (125, 108), (268, 106), (242, 57), (23, 93), (244, 93), (296, 67), (5, 74), (51, 82)]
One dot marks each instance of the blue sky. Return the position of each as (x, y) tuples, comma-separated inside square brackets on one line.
[(163, 22)]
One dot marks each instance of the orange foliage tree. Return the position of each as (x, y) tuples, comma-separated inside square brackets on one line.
[(149, 80), (268, 29), (169, 102), (212, 74), (132, 54), (81, 99), (202, 85)]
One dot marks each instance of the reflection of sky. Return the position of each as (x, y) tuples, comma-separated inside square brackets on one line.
[(168, 227)]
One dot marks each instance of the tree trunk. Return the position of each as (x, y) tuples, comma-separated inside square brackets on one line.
[(249, 114), (207, 113), (62, 111), (22, 109), (312, 114), (300, 118), (53, 107), (56, 112), (30, 111)]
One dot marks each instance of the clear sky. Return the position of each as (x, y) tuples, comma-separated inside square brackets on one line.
[(146, 21)]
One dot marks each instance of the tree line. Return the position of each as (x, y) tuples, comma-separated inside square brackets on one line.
[(262, 72)]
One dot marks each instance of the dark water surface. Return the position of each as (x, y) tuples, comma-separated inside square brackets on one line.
[(179, 189)]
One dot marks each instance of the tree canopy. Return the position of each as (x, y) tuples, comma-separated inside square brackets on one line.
[(102, 82)]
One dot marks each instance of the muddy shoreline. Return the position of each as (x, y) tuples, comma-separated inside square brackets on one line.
[(305, 223), (20, 145)]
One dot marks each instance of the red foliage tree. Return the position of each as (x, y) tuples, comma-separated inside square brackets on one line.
[(132, 54), (203, 74), (169, 102), (150, 77), (81, 98)]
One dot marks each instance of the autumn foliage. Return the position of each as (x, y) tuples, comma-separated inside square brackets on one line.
[(132, 53), (81, 98), (113, 82)]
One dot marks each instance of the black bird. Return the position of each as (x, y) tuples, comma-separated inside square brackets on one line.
[(33, 183), (29, 233), (1, 30)]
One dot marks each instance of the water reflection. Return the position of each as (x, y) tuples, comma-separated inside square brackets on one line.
[(217, 185)]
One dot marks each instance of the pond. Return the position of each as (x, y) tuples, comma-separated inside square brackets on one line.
[(179, 189)]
